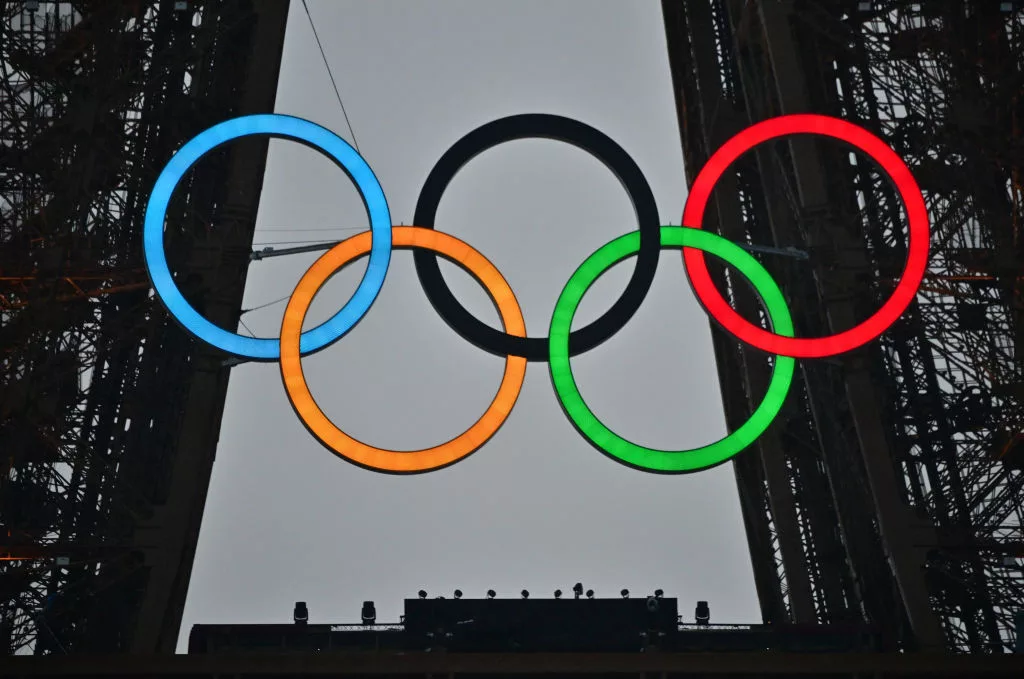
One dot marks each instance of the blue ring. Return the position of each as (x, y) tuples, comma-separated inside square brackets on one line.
[(320, 139)]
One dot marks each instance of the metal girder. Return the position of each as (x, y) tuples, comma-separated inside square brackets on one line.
[(408, 664), (917, 438), (750, 375), (106, 406)]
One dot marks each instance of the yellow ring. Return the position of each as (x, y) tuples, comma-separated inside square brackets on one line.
[(356, 451)]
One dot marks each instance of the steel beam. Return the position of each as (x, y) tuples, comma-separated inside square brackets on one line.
[(385, 664), (109, 415), (905, 458), (173, 532), (719, 120)]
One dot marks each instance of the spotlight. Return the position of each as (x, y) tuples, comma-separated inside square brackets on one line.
[(703, 613), (526, 595), (558, 594), (423, 594), (458, 594), (369, 614), (625, 593), (577, 590), (301, 614), (491, 594), (652, 605), (658, 593), (590, 594)]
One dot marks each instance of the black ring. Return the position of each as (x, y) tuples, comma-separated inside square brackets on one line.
[(597, 144)]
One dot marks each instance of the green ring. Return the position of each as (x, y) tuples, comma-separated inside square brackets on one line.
[(610, 443)]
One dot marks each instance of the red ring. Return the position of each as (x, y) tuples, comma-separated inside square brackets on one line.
[(917, 248)]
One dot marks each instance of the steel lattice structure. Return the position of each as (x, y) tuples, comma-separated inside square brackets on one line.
[(109, 415), (890, 491)]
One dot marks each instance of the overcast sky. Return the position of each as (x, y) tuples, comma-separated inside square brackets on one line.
[(537, 507)]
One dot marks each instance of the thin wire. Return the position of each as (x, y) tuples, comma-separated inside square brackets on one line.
[(294, 242), (329, 73), (264, 306), (324, 228), (246, 326)]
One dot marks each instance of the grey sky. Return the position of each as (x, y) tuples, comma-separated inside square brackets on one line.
[(537, 507)]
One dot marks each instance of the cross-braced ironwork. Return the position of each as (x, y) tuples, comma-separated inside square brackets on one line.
[(890, 490), (109, 415)]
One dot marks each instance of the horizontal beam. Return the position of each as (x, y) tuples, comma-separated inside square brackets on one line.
[(388, 663), (257, 255)]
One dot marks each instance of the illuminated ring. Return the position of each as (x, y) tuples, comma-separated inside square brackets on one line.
[(536, 125), (285, 127), (595, 431), (356, 451), (917, 247)]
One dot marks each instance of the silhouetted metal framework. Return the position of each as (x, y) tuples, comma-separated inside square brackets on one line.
[(531, 626), (109, 414), (890, 488), (388, 664), (477, 638)]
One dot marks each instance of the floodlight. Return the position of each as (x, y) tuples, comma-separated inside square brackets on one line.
[(458, 594), (491, 594), (301, 614), (423, 594), (703, 613), (369, 613), (558, 594), (526, 595), (590, 594)]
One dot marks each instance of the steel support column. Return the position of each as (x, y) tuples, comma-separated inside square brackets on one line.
[(905, 457)]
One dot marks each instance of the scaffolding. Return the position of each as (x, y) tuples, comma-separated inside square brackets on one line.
[(109, 414), (889, 490)]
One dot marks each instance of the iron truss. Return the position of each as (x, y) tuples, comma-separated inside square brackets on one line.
[(890, 489), (109, 415)]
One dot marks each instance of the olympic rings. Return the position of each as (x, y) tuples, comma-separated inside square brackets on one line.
[(917, 247), (512, 342), (356, 451), (593, 142), (596, 431), (285, 127)]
